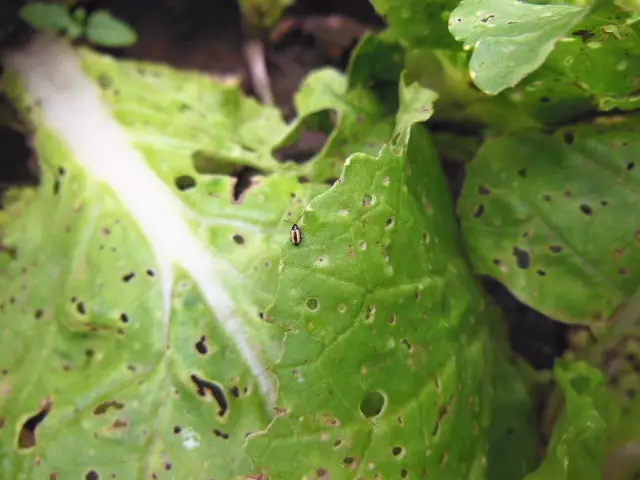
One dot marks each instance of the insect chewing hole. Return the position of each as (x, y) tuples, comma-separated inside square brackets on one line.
[(239, 239), (92, 475), (397, 451), (185, 182), (482, 190), (27, 435), (128, 277), (522, 258), (479, 211), (312, 304), (201, 346), (586, 209), (203, 386), (372, 404)]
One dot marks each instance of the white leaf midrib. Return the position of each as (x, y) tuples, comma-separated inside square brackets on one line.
[(72, 107)]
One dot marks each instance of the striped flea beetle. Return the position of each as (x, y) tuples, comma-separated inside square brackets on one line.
[(295, 234)]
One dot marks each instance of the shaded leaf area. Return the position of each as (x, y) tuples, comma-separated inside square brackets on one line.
[(418, 23), (593, 437), (366, 105), (510, 39), (541, 211), (596, 67), (513, 433), (186, 123), (108, 349), (386, 356)]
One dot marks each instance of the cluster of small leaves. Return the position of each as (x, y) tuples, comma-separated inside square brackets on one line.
[(99, 27)]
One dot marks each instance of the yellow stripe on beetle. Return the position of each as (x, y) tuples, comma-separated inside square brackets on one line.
[(295, 234)]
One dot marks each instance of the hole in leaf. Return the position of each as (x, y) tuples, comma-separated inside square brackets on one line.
[(442, 413), (586, 209), (496, 261), (185, 182), (124, 318), (522, 258), (126, 278), (482, 190), (92, 475), (201, 346), (372, 404), (105, 406), (367, 200), (56, 186), (220, 434), (177, 429), (337, 443), (392, 320), (479, 211), (371, 311), (630, 166), (397, 451), (38, 314), (389, 223), (80, 307), (541, 273), (404, 473), (204, 386), (151, 273), (312, 304), (27, 436), (239, 239), (235, 391)]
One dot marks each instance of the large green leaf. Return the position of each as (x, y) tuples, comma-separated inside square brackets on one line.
[(211, 130), (542, 212), (510, 38), (386, 358), (596, 68), (131, 307)]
